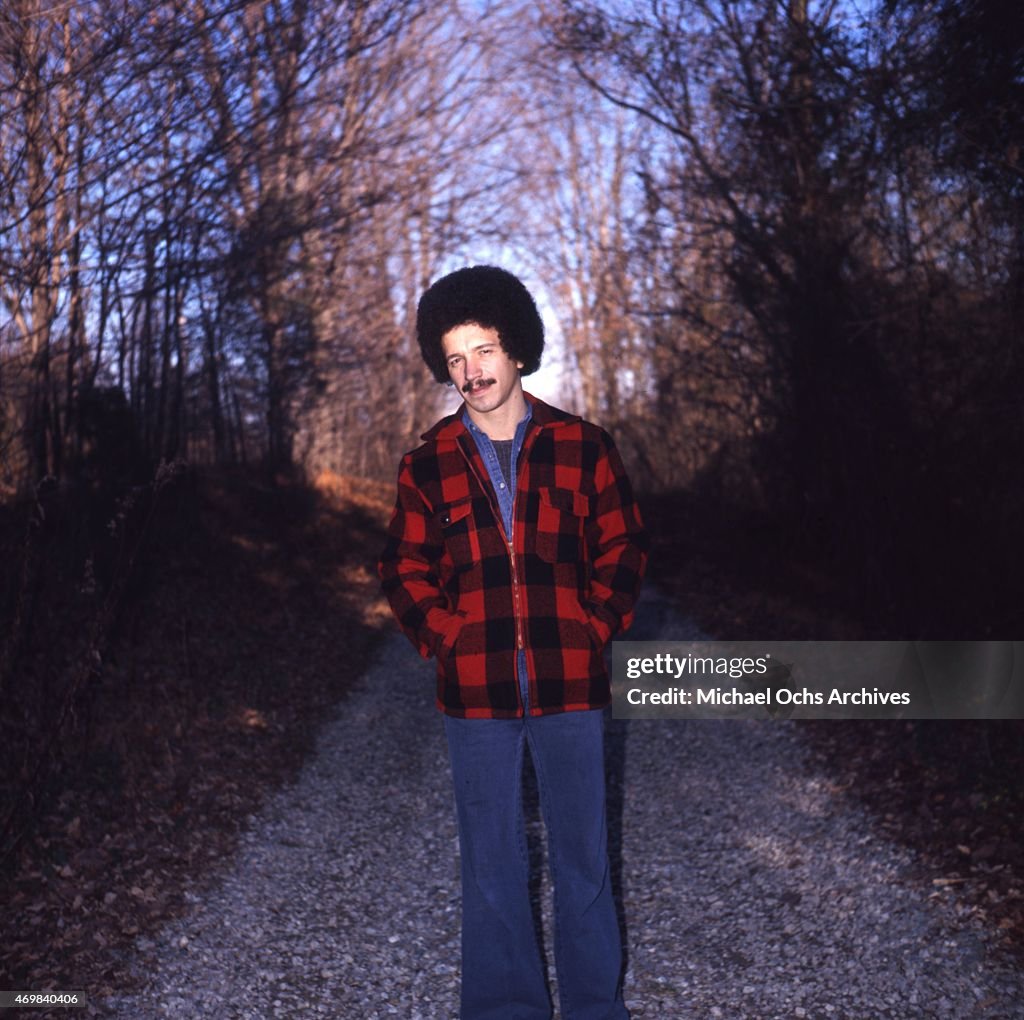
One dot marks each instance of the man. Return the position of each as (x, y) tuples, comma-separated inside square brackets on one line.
[(515, 552)]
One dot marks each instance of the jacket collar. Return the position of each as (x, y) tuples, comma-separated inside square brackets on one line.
[(544, 416)]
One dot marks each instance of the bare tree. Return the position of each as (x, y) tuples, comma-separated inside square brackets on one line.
[(441, 187), (50, 59)]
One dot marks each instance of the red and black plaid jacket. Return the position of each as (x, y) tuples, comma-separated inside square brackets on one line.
[(566, 585)]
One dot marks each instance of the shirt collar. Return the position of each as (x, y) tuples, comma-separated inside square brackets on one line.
[(477, 431)]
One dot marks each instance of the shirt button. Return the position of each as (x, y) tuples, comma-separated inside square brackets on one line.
[(501, 485)]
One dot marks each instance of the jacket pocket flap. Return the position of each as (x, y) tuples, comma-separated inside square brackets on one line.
[(567, 500), (452, 512)]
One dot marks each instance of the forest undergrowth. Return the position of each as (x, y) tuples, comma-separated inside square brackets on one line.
[(200, 632), (214, 647), (950, 789)]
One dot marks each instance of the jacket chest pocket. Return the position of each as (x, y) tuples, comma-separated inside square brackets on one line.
[(458, 528), (561, 518)]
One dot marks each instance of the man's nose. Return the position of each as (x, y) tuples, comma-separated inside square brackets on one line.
[(473, 369)]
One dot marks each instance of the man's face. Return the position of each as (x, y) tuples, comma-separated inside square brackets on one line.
[(478, 365)]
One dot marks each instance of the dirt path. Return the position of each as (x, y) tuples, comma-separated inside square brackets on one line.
[(749, 887)]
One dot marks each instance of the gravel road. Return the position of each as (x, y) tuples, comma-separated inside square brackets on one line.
[(750, 890)]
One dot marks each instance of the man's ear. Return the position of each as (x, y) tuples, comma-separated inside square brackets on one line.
[(520, 365)]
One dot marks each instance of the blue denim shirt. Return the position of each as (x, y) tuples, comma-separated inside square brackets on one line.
[(506, 502)]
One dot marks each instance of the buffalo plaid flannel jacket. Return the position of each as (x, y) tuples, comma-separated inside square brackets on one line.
[(565, 585)]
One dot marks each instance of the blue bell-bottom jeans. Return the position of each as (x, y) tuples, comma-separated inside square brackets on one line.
[(502, 973)]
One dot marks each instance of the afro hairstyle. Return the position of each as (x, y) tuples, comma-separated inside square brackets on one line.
[(489, 297)]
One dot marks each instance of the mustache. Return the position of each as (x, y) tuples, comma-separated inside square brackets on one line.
[(476, 382)]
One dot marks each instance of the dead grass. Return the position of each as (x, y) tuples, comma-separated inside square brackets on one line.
[(951, 790), (252, 610)]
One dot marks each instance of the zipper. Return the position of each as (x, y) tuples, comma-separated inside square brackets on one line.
[(509, 548)]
